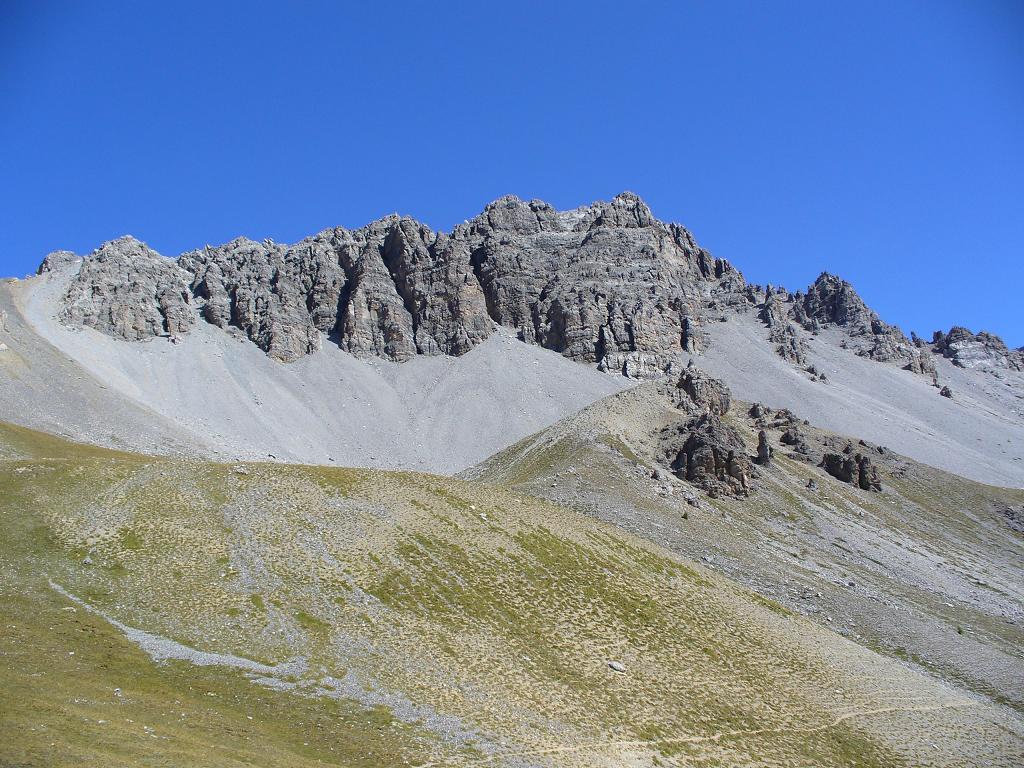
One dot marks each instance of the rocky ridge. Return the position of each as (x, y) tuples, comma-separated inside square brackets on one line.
[(607, 284), (127, 289), (832, 301)]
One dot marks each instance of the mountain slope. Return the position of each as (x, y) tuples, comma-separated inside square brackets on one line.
[(480, 623), (215, 395), (255, 350), (927, 570), (978, 433)]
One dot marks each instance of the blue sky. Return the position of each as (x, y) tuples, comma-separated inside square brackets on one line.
[(881, 141)]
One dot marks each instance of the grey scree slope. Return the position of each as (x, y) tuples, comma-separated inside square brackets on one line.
[(979, 434), (431, 413)]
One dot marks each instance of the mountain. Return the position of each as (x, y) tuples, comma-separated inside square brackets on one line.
[(285, 351), (604, 283), (558, 488)]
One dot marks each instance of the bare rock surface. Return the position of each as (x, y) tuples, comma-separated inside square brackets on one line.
[(710, 454), (128, 290), (764, 450), (606, 283), (981, 350), (435, 279), (57, 260), (854, 468), (832, 302), (700, 447), (697, 391), (281, 298)]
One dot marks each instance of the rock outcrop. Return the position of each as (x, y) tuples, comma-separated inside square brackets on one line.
[(980, 350), (126, 289), (837, 456), (435, 279), (608, 283), (56, 260), (788, 344), (764, 451), (280, 297), (794, 437), (712, 457), (922, 362), (698, 392), (701, 448), (833, 301), (853, 468)]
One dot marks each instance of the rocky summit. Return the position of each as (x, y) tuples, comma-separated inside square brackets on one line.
[(606, 283)]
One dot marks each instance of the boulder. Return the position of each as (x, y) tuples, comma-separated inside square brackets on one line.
[(853, 468)]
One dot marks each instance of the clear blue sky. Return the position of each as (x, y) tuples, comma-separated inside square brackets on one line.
[(882, 141)]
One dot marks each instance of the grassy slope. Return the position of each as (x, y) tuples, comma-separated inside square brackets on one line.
[(409, 619), (927, 571), (76, 692)]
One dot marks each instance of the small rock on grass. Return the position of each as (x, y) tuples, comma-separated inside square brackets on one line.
[(616, 666)]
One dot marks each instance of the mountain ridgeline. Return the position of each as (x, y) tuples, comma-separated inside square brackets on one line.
[(606, 283)]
